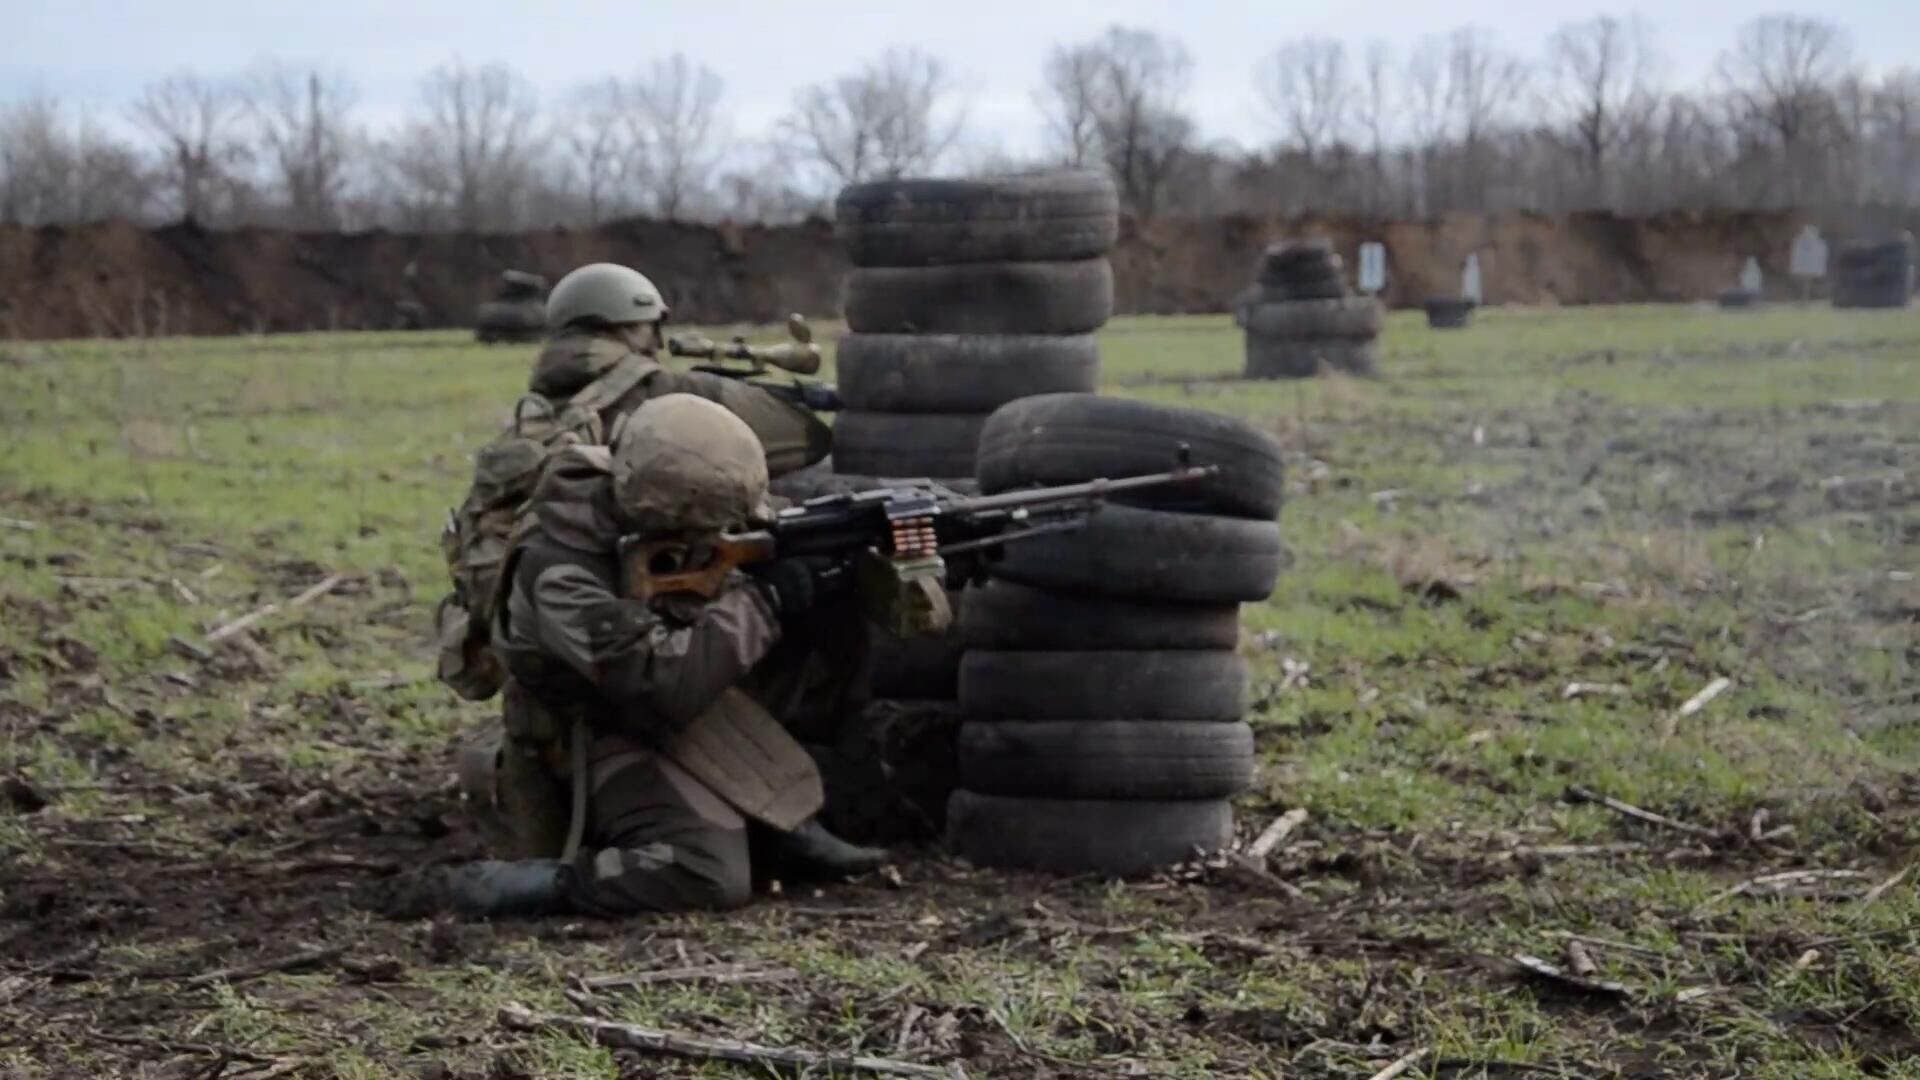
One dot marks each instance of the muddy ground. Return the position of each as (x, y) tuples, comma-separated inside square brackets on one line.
[(193, 835)]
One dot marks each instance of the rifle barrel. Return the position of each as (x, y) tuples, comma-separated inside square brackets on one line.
[(1091, 489)]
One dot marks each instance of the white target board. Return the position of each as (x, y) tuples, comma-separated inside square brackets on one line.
[(1373, 266), (1809, 256), (1470, 287), (1750, 279)]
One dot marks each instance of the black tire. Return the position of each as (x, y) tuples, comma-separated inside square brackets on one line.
[(1289, 261), (1036, 217), (1068, 438), (982, 298), (1068, 836), (1269, 358), (1008, 616), (820, 478), (935, 445), (1448, 313), (512, 315), (1313, 291), (1126, 552), (1208, 686), (1885, 277), (1107, 759), (916, 373), (521, 285), (1317, 320), (1890, 254), (1895, 295), (1739, 299)]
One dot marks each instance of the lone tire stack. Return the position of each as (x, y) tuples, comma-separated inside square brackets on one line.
[(965, 295), (1449, 312), (1875, 275), (517, 312), (1299, 316), (1104, 701)]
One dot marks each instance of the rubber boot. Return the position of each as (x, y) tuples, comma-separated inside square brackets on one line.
[(811, 851), (493, 888)]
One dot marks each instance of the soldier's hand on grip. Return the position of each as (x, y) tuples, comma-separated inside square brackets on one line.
[(800, 583)]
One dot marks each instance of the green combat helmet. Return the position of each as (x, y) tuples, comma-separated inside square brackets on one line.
[(606, 294)]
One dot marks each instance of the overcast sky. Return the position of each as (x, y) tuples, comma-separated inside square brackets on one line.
[(97, 53)]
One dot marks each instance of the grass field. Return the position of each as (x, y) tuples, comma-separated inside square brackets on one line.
[(1517, 555)]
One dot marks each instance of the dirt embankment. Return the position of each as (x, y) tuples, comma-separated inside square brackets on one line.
[(117, 280)]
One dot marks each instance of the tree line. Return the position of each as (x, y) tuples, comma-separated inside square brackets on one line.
[(1592, 121)]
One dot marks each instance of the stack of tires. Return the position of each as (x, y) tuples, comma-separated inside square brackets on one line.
[(1874, 275), (1449, 312), (965, 295), (517, 312), (1103, 699), (1299, 316)]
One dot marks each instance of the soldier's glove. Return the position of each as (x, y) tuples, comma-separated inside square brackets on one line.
[(819, 397), (800, 583)]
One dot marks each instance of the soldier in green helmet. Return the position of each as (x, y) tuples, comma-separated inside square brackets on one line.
[(650, 761), (602, 314)]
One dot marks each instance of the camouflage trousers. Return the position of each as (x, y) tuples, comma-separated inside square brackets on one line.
[(655, 838)]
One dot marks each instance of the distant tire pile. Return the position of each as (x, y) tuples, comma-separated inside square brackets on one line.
[(517, 312), (965, 295), (1103, 698), (1874, 275), (1739, 299), (1299, 317), (1449, 312)]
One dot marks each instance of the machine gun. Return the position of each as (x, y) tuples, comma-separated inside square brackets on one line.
[(801, 356), (905, 546)]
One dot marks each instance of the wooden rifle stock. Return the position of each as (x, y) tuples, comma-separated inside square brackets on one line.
[(659, 567)]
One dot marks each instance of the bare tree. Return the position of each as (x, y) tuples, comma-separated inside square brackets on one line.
[(1373, 109), (1897, 133), (197, 124), (891, 118), (676, 113), (1068, 99), (1483, 83), (1120, 95), (1458, 90), (468, 162), (57, 171), (1601, 85), (1780, 77), (1306, 86), (301, 120), (602, 152)]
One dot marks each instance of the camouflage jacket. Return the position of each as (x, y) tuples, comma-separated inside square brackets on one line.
[(567, 634), (672, 674)]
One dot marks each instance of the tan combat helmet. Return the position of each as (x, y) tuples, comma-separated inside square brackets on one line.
[(683, 464), (603, 294)]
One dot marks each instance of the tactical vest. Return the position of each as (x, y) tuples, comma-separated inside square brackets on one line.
[(481, 532)]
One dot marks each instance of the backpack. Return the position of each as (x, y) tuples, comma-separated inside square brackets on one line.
[(482, 531)]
